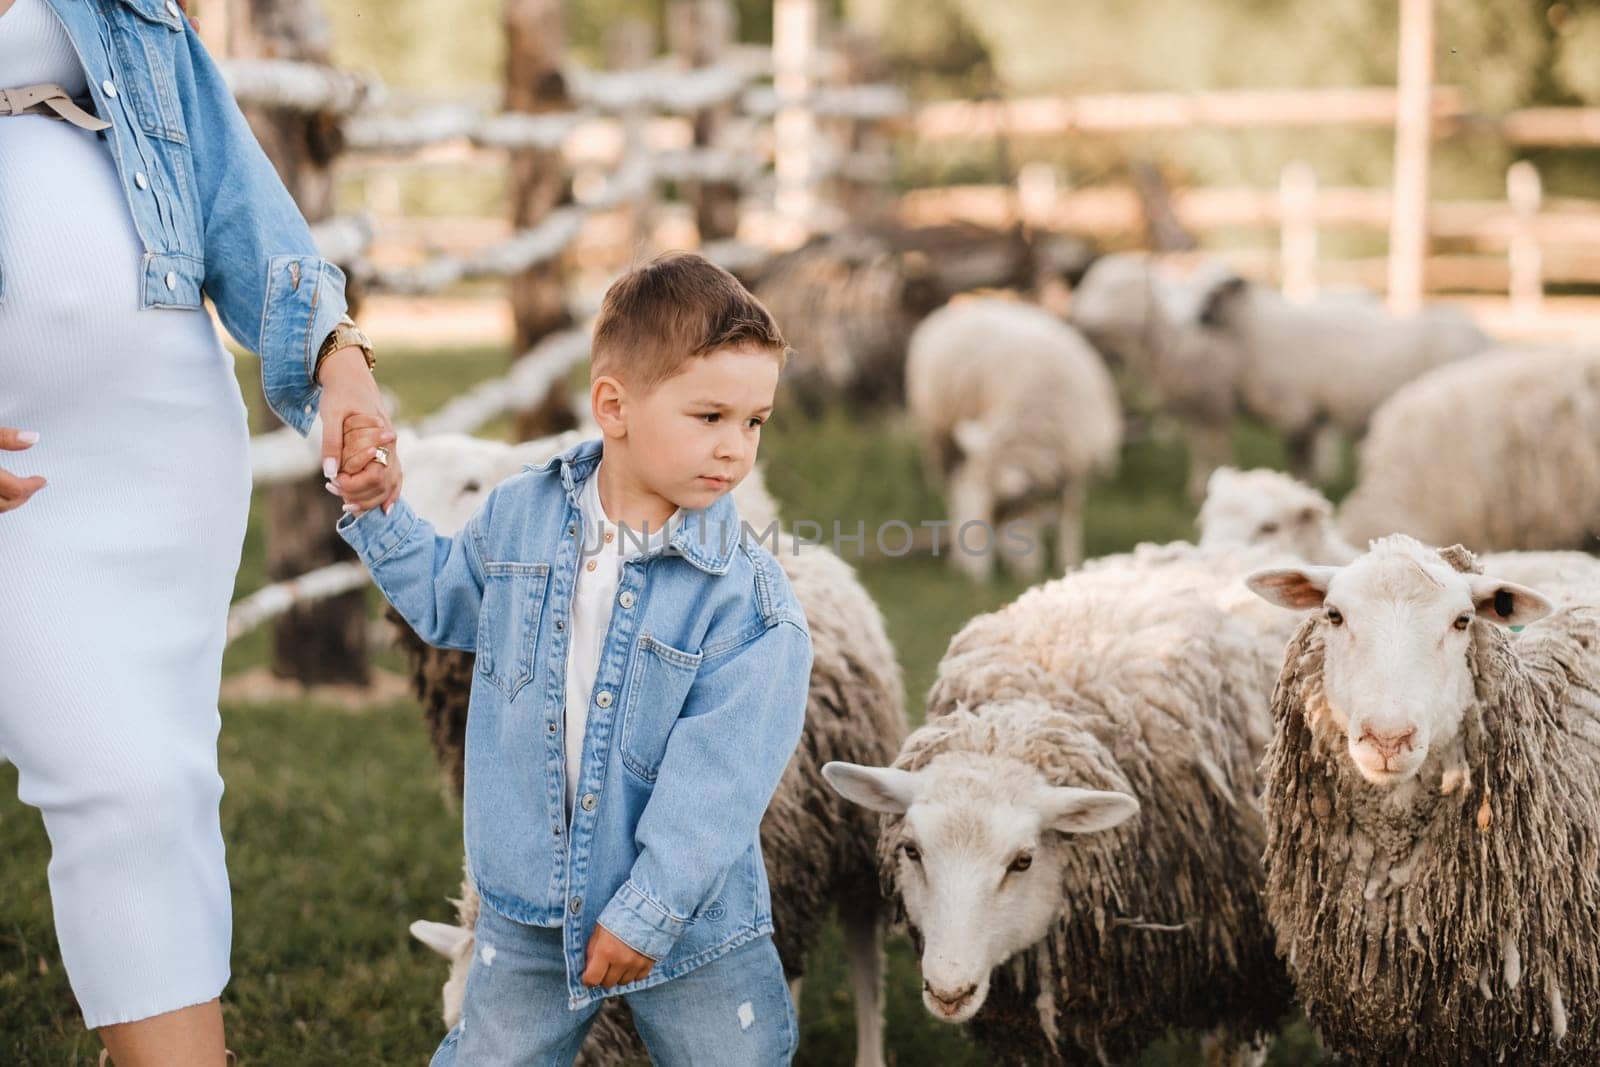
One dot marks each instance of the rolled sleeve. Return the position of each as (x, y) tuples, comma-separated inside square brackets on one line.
[(641, 923)]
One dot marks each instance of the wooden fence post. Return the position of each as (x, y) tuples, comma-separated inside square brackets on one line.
[(324, 642), (1297, 206), (537, 184), (794, 127), (1524, 258), (700, 31), (1408, 226)]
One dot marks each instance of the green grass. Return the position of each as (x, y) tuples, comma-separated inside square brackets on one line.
[(339, 833)]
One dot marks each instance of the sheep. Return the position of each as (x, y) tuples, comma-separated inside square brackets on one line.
[(1431, 794), (1016, 413), (1212, 344), (1502, 452), (1125, 687), (1269, 508), (850, 300), (820, 850)]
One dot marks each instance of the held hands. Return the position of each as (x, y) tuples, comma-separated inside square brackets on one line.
[(351, 405), (15, 491), (612, 963)]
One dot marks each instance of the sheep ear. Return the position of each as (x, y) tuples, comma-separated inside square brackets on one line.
[(1295, 588), (1507, 603), (443, 938), (1086, 811), (886, 789)]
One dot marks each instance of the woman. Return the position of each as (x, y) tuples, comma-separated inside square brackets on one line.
[(130, 186)]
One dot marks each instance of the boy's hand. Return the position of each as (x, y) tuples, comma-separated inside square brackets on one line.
[(612, 963), (364, 481)]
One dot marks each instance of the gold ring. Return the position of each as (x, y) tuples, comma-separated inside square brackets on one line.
[(383, 455)]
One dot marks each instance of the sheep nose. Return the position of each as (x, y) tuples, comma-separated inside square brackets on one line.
[(952, 1002), (1389, 745)]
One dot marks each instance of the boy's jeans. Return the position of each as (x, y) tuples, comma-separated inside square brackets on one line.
[(733, 1011)]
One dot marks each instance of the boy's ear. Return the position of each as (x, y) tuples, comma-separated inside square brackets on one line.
[(608, 400)]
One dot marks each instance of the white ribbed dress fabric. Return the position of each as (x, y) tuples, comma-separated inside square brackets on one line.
[(115, 578)]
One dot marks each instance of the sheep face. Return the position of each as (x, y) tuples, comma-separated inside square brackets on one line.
[(1114, 303), (978, 861), (1272, 510), (1396, 629)]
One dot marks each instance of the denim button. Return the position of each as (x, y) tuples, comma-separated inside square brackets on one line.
[(560, 625), (626, 599), (108, 88), (171, 280), (172, 9), (603, 698), (588, 802), (716, 911), (141, 181), (576, 905), (552, 727)]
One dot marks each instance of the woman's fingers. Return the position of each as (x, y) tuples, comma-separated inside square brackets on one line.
[(15, 440), (15, 491)]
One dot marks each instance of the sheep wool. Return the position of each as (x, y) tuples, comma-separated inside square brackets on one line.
[(1118, 678), (1461, 928), (1500, 452)]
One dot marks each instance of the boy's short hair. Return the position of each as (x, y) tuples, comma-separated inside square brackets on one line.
[(680, 305)]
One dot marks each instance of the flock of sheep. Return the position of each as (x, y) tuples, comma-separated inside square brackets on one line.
[(1196, 786)]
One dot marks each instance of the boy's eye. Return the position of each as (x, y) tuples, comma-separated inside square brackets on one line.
[(756, 424), (709, 417)]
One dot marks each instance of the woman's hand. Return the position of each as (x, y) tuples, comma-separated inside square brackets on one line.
[(349, 392), (16, 491)]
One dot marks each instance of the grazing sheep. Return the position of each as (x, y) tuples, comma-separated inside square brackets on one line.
[(1064, 927), (1017, 414), (819, 850), (1501, 452), (849, 301), (1432, 800), (1212, 343)]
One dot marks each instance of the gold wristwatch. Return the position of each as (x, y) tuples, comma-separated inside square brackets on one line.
[(345, 335)]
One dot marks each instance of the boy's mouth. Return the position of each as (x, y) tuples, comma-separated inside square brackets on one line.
[(716, 483)]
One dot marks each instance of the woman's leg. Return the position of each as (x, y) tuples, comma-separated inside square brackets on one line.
[(188, 1037)]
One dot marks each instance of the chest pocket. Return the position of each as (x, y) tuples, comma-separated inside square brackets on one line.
[(147, 34), (508, 623), (657, 685)]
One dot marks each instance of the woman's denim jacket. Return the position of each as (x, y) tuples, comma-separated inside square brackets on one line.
[(211, 212), (697, 706)]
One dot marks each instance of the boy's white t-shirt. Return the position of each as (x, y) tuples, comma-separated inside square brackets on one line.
[(593, 597)]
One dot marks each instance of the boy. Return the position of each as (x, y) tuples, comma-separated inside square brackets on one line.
[(640, 685)]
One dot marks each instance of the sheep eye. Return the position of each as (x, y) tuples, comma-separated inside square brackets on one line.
[(1463, 622), (472, 487), (1335, 618), (1023, 861), (913, 853), (1268, 528)]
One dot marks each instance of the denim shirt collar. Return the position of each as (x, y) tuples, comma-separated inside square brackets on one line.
[(706, 537)]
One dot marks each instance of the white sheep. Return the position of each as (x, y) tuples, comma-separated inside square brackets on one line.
[(1501, 452), (819, 850), (1432, 791), (1074, 835), (1270, 509), (1017, 415), (1212, 343)]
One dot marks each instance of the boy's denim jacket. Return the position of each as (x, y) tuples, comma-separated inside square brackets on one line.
[(210, 210), (697, 706)]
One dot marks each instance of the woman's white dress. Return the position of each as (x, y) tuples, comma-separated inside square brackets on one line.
[(115, 578)]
